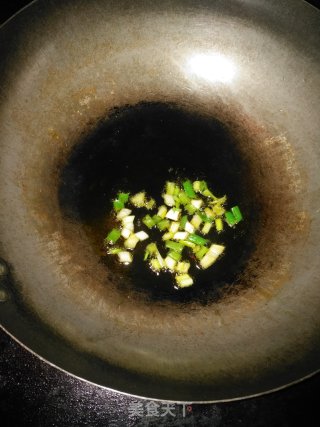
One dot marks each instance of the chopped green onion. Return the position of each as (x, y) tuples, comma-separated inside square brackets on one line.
[(196, 221), (168, 200), (204, 217), (183, 222), (131, 242), (206, 228), (155, 264), (170, 263), (237, 213), (156, 219), (183, 198), (162, 211), (175, 255), (201, 252), (197, 203), (184, 280), (123, 213), (175, 246), (151, 248), (163, 225), (118, 205), (114, 251), (138, 200), (168, 236), (219, 225), (211, 256), (125, 233), (150, 204), (142, 235), (128, 220), (113, 236), (188, 188), (190, 209), (174, 227), (198, 240), (123, 197), (148, 221), (125, 257), (170, 188), (181, 235), (218, 210), (189, 228), (230, 218), (207, 193), (183, 267), (173, 214), (188, 244)]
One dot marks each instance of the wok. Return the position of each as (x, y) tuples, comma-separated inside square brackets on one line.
[(251, 71)]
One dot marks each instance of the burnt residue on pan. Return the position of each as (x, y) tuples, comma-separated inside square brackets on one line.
[(141, 146)]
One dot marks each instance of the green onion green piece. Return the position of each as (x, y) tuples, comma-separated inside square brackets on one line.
[(184, 280), (123, 197), (156, 219), (183, 222), (151, 249), (198, 240), (188, 244), (118, 205), (155, 264), (218, 210), (237, 213), (148, 221), (175, 255), (164, 224), (190, 209), (188, 188), (219, 225), (114, 251), (138, 200), (113, 236), (175, 246), (204, 217), (150, 204), (230, 219), (207, 193), (183, 267), (183, 198), (167, 236), (201, 252), (162, 211)]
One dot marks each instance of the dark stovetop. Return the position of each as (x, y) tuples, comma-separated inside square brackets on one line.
[(32, 393)]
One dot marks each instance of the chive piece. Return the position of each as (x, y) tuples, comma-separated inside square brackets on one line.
[(175, 255), (198, 240), (219, 225), (188, 188), (123, 197), (175, 246), (230, 218), (163, 225), (237, 213), (201, 252), (113, 236), (118, 205), (148, 221), (183, 222)]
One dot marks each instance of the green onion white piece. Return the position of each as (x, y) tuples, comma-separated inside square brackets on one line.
[(162, 211), (181, 235), (211, 256), (184, 280), (131, 242), (173, 214), (189, 228), (196, 221), (125, 233), (169, 200), (170, 263), (142, 235), (125, 257), (206, 228), (174, 227), (123, 213)]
